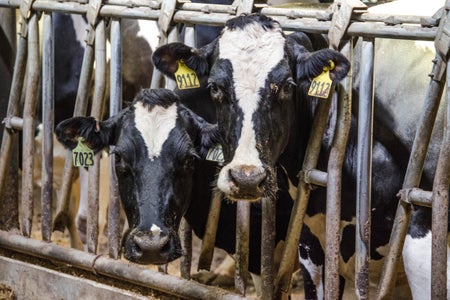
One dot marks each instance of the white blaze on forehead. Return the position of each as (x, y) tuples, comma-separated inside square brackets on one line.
[(253, 53), (154, 126), (155, 230)]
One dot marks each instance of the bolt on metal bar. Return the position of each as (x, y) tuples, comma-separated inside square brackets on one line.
[(439, 217), (48, 109), (242, 245), (283, 279), (129, 272), (268, 230), (364, 170), (29, 113), (412, 179), (209, 238), (115, 105)]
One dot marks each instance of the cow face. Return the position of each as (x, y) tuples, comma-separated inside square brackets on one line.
[(156, 141), (253, 73)]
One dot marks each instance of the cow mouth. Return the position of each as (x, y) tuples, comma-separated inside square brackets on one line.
[(142, 249)]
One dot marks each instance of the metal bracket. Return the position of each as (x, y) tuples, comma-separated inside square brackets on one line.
[(165, 19), (442, 43), (92, 18), (342, 14), (25, 13)]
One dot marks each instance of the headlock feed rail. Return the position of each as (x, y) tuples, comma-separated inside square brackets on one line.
[(343, 22)]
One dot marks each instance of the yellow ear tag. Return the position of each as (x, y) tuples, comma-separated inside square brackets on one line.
[(185, 77), (82, 155), (215, 154), (321, 85)]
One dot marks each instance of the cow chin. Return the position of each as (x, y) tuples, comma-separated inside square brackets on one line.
[(143, 248)]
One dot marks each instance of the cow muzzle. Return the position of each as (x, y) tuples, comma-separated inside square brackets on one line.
[(149, 248), (246, 182)]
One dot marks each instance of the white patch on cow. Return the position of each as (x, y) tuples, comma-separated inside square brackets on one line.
[(80, 27), (315, 272), (154, 126), (417, 261), (253, 52), (149, 31), (155, 230)]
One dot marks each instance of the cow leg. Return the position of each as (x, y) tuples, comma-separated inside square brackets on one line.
[(312, 257)]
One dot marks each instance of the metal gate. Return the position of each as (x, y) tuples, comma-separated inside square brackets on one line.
[(343, 23)]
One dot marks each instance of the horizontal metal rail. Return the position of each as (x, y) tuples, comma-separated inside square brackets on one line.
[(114, 268), (367, 25)]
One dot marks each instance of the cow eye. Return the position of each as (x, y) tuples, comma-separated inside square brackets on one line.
[(215, 90), (120, 162)]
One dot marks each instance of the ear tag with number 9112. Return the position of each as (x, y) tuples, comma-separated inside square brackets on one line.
[(82, 155), (321, 85), (185, 77)]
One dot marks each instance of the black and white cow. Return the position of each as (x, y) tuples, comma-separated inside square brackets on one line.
[(257, 78)]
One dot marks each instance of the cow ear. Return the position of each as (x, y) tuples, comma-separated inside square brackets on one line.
[(166, 58), (204, 135), (96, 135), (311, 64)]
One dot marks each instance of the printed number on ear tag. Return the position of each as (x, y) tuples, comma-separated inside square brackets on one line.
[(185, 77), (321, 85), (82, 155), (215, 154)]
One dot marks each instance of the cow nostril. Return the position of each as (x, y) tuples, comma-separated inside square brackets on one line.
[(248, 176), (148, 242)]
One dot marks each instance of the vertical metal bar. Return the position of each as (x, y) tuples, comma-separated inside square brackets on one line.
[(242, 245), (439, 219), (9, 135), (289, 256), (334, 184), (48, 108), (115, 105), (186, 244), (209, 238), (268, 247), (96, 112), (29, 113), (172, 38), (364, 171), (412, 179)]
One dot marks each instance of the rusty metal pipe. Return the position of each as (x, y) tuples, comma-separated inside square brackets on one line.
[(439, 219), (289, 256), (136, 274), (315, 177), (115, 105), (29, 113), (268, 247), (242, 245), (209, 238), (364, 170), (186, 244), (48, 108), (412, 179)]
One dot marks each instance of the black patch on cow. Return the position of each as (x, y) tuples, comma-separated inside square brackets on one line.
[(308, 242), (348, 242), (310, 287), (245, 19)]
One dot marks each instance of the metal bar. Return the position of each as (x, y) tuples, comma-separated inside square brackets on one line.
[(364, 170), (333, 209), (186, 244), (412, 179), (283, 280), (242, 245), (29, 113), (209, 238), (366, 29), (96, 112), (140, 275), (315, 177), (439, 218), (115, 105), (268, 230), (9, 136), (48, 108), (416, 196)]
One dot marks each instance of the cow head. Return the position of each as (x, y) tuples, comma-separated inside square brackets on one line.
[(253, 72), (156, 141)]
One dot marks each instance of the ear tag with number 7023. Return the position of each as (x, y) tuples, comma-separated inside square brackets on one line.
[(321, 85), (82, 155), (185, 77)]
